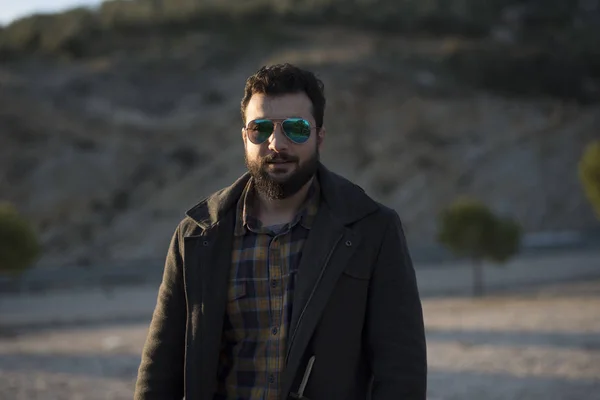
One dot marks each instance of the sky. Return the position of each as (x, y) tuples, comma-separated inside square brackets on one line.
[(11, 9)]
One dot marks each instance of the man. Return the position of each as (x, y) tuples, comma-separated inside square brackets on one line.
[(290, 284)]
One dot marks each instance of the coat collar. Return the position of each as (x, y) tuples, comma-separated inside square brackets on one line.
[(347, 201)]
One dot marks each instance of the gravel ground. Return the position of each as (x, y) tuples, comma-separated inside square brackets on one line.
[(542, 345)]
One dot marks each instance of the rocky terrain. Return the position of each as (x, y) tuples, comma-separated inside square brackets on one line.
[(106, 152)]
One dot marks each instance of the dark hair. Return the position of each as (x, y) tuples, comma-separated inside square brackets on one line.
[(285, 79)]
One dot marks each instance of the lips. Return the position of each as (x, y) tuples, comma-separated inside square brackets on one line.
[(279, 159)]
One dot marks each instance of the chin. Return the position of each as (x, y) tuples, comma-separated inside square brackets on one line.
[(281, 177)]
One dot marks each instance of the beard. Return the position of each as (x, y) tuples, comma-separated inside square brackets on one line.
[(278, 189)]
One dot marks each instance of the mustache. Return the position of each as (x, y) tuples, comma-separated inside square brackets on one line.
[(278, 157)]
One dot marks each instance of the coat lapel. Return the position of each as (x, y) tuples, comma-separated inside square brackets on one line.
[(327, 251), (321, 244)]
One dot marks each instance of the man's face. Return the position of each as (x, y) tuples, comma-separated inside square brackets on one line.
[(279, 166)]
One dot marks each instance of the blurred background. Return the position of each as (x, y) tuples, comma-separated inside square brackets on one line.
[(478, 121)]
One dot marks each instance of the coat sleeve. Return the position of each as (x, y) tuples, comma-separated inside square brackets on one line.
[(395, 327), (161, 371)]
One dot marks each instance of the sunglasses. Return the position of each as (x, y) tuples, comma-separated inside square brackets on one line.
[(296, 129)]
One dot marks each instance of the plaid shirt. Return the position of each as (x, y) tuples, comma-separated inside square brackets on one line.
[(263, 269)]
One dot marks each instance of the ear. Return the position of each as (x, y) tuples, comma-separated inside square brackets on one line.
[(320, 136), (244, 136)]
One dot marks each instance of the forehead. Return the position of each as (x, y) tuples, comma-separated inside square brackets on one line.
[(280, 106)]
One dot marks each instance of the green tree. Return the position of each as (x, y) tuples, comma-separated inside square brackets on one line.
[(470, 229), (589, 174), (19, 244)]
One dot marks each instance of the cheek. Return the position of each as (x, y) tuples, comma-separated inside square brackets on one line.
[(311, 148), (252, 151), (306, 153)]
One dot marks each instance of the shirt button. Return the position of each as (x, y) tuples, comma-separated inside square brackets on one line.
[(274, 331), (271, 379), (273, 283)]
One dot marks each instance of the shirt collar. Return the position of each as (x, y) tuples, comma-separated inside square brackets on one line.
[(245, 216)]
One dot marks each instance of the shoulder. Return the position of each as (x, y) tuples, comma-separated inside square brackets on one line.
[(355, 193), (388, 214), (372, 219), (188, 227), (190, 224), (213, 208)]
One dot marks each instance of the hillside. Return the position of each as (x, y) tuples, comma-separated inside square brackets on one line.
[(106, 147)]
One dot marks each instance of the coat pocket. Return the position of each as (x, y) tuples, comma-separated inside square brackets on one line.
[(358, 270)]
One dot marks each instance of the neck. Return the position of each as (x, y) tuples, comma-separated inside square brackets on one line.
[(273, 212)]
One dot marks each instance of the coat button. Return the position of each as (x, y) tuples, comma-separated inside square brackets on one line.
[(205, 243), (348, 243)]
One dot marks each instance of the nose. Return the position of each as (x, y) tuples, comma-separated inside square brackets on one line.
[(277, 141)]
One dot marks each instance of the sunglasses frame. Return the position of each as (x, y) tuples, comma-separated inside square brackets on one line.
[(278, 121)]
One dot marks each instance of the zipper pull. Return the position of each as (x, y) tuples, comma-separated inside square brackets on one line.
[(300, 394)]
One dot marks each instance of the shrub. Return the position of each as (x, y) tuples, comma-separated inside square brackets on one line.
[(589, 174), (19, 244), (506, 240), (470, 229)]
